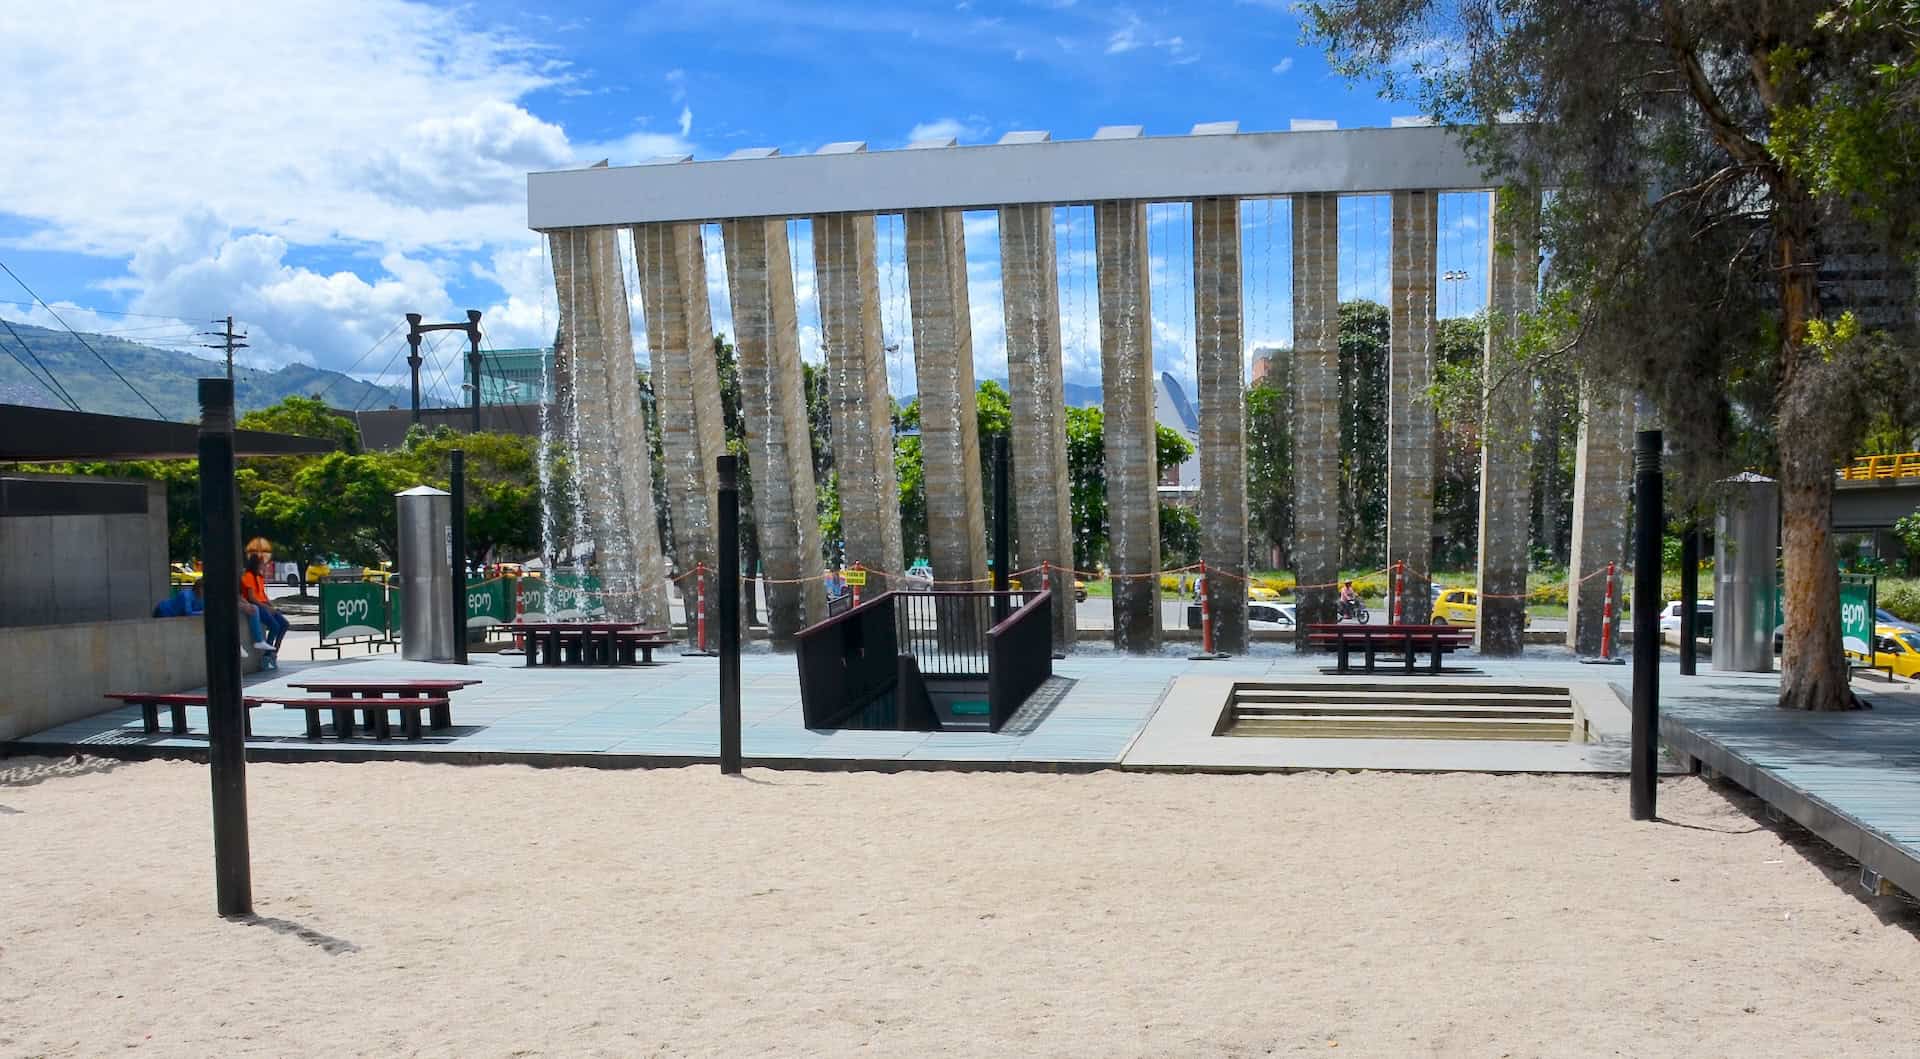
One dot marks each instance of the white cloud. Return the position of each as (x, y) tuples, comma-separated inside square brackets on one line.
[(1124, 39), (1283, 65), (944, 128), (312, 137)]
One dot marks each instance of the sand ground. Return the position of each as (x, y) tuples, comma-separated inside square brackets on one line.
[(439, 910)]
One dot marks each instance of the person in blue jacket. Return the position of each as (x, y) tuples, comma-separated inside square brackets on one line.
[(182, 604)]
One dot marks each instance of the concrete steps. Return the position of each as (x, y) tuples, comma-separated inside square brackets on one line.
[(1401, 710)]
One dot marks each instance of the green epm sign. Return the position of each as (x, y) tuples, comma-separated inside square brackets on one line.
[(487, 603), (352, 608), (563, 597), (1859, 603)]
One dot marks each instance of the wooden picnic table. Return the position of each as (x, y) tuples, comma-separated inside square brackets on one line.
[(438, 688), (1408, 639), (604, 643), (151, 703)]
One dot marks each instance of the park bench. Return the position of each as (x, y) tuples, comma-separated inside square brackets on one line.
[(643, 641), (342, 709), (370, 692), (151, 703), (1405, 640), (599, 643)]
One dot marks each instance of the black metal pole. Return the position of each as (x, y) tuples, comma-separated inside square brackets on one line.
[(457, 530), (413, 361), (728, 584), (473, 363), (1689, 596), (226, 715), (1649, 519), (1001, 544)]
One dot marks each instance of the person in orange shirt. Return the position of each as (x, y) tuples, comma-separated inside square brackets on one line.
[(253, 589)]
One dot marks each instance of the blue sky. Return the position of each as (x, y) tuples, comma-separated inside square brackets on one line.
[(347, 162)]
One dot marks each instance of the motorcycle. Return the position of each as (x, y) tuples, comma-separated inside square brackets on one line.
[(1354, 611)]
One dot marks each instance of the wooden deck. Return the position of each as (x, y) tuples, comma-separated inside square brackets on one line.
[(1851, 778)]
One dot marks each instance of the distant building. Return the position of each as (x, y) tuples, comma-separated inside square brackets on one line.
[(1172, 410), (1267, 361), (511, 376)]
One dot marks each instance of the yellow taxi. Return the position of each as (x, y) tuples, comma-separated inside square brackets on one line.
[(181, 575), (317, 572), (1460, 606), (1895, 648), (378, 574)]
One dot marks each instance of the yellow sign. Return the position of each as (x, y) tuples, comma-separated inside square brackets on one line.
[(856, 578)]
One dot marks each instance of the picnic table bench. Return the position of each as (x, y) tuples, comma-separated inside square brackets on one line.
[(342, 709), (151, 703), (1407, 640), (593, 643), (370, 692)]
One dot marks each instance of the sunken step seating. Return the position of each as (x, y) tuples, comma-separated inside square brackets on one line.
[(1402, 711)]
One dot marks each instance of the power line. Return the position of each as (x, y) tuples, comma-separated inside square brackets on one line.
[(229, 342), (104, 312), (367, 395), (357, 361), (82, 341), (71, 403), (52, 385)]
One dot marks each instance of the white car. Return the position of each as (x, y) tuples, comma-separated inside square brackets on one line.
[(1269, 615), (1670, 617)]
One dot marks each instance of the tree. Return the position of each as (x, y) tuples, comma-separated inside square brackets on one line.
[(1705, 163), (503, 486), (1087, 475), (307, 416), (1270, 465), (1456, 485)]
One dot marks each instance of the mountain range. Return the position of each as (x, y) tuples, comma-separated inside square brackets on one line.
[(165, 377)]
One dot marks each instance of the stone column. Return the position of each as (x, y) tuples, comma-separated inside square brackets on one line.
[(609, 434), (1513, 276), (773, 404), (1410, 421), (1126, 383), (949, 422), (1223, 417), (849, 289), (1042, 511), (1316, 403), (1602, 487), (686, 391)]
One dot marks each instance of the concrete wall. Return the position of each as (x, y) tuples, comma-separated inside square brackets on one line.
[(61, 568), (60, 673)]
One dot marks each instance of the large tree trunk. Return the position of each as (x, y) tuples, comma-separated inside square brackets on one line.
[(1813, 671)]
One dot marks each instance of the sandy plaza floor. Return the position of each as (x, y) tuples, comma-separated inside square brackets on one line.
[(494, 910)]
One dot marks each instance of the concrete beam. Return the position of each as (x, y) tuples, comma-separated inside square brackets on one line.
[(856, 363), (949, 419), (1223, 417), (773, 403), (1042, 509), (1513, 277), (1126, 383), (596, 339), (1602, 487), (1410, 417), (1316, 421), (988, 176), (672, 266)]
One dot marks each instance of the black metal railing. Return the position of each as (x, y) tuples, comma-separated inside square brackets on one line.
[(946, 632), (1019, 657), (849, 665)]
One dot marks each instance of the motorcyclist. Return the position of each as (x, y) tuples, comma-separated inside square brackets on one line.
[(1349, 599)]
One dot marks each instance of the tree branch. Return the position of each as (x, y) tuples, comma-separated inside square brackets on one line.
[(1726, 132)]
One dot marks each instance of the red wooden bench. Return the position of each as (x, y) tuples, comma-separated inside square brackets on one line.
[(598, 643), (376, 691), (342, 710), (151, 703), (1407, 640)]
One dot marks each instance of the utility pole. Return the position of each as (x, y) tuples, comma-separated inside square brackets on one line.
[(228, 341)]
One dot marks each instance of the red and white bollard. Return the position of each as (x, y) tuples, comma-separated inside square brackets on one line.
[(1206, 610), (700, 603), (1606, 618), (1399, 592)]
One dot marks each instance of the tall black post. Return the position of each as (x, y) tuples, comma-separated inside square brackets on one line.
[(1649, 518), (413, 361), (473, 363), (457, 530), (728, 561), (1689, 596), (1001, 543), (226, 716)]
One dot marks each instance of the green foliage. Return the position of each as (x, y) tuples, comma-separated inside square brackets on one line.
[(1363, 333), (1901, 599), (1087, 474), (1270, 465), (308, 417), (1179, 535), (1907, 529)]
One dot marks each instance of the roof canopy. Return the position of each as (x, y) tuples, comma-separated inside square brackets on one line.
[(50, 435)]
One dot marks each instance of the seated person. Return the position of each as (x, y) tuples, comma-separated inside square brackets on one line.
[(253, 589), (182, 604)]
